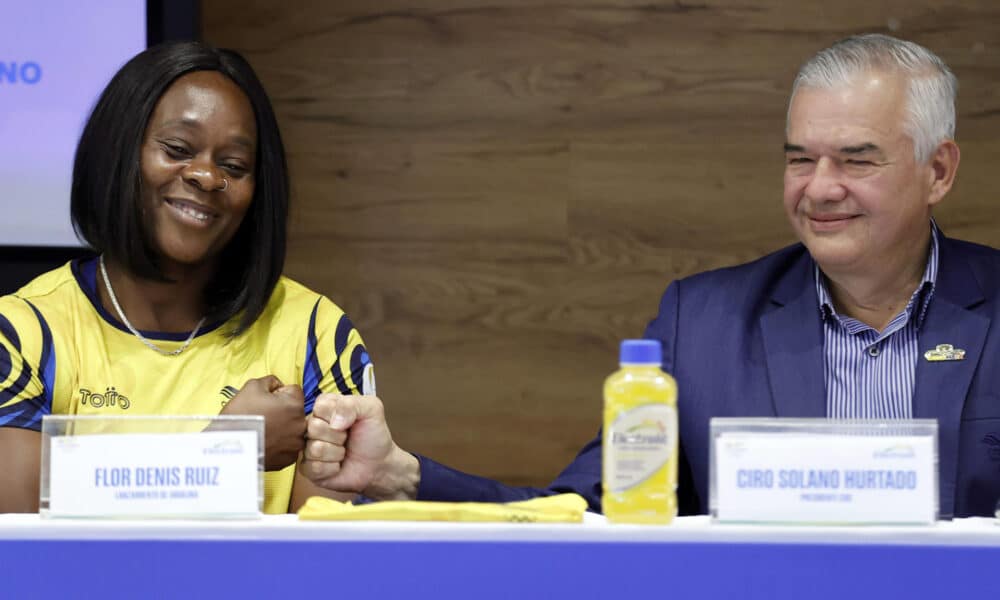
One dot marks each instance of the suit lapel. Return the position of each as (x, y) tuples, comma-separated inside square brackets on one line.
[(793, 345), (941, 387), (792, 334)]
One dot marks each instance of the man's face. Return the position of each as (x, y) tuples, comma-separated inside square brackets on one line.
[(854, 193)]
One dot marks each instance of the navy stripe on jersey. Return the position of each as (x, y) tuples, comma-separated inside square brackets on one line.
[(13, 418), (344, 327), (338, 378), (8, 331), (312, 373), (18, 385), (10, 334), (28, 413), (15, 388), (5, 363), (34, 422), (47, 363)]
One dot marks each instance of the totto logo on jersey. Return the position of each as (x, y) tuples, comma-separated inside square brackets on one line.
[(109, 399)]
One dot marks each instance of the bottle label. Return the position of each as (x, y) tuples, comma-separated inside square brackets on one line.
[(639, 444)]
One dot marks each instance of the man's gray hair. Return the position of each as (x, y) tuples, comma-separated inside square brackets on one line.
[(931, 91)]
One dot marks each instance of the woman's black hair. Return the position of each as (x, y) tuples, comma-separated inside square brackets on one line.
[(105, 202)]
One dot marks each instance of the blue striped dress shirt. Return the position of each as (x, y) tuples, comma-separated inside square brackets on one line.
[(870, 374)]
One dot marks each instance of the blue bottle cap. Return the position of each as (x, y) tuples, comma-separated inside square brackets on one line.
[(641, 352)]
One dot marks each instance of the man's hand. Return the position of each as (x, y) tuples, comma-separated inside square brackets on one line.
[(282, 407), (349, 448)]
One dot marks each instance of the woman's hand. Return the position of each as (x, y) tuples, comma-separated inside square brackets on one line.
[(283, 409)]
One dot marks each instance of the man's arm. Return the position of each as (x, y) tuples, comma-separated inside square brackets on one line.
[(20, 457), (664, 326), (582, 476), (664, 329)]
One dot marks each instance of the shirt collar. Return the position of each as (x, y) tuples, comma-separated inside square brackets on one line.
[(921, 296)]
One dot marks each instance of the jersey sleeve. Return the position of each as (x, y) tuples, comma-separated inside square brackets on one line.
[(27, 365), (336, 359)]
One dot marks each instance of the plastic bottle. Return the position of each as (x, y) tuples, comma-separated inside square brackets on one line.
[(640, 438)]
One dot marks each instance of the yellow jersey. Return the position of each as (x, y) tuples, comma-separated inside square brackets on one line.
[(62, 353)]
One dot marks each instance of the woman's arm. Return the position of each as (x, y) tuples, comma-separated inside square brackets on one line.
[(303, 489), (20, 457)]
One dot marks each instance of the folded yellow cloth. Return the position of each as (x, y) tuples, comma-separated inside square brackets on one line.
[(562, 508)]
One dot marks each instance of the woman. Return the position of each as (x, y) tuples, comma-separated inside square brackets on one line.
[(180, 187)]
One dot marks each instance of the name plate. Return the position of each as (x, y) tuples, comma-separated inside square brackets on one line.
[(820, 471), (183, 474)]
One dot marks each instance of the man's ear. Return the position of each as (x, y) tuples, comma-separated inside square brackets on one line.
[(944, 167)]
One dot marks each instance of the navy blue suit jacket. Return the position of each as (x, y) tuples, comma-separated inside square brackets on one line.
[(747, 341)]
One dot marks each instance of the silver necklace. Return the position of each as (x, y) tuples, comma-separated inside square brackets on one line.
[(135, 332)]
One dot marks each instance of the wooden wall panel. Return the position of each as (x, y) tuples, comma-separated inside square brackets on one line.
[(499, 191)]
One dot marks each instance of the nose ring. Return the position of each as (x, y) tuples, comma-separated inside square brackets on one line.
[(225, 185)]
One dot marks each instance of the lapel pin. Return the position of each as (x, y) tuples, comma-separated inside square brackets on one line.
[(944, 352)]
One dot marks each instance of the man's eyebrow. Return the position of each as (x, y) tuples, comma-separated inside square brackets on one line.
[(860, 148), (793, 148)]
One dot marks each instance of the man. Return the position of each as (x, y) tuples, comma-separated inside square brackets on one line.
[(836, 326)]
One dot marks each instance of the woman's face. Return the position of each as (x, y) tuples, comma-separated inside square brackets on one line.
[(197, 167)]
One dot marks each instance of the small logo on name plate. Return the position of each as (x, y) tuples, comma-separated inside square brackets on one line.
[(897, 451)]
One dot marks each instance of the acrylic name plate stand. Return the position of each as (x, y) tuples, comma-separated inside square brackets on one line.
[(190, 467), (822, 471)]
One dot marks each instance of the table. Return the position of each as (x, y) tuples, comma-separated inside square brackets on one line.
[(281, 557)]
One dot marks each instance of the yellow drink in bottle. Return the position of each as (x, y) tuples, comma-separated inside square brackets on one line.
[(640, 438)]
